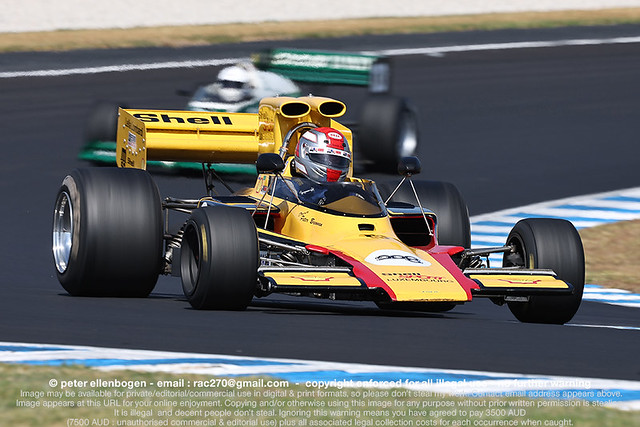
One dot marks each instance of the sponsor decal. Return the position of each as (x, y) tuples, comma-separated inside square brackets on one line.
[(393, 257), (203, 236), (133, 127), (262, 185), (337, 62), (132, 142), (335, 135), (199, 120), (332, 151), (267, 127), (414, 277), (303, 218)]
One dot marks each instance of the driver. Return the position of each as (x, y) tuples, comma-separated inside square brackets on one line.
[(323, 155), (236, 82)]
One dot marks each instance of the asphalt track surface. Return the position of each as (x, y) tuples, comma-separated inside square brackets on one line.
[(507, 127)]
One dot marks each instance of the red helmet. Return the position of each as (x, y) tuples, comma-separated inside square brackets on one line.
[(322, 155)]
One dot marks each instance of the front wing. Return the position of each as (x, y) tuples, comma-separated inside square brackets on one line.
[(346, 281)]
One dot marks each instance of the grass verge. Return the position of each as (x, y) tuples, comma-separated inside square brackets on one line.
[(609, 252), (279, 31), (27, 398)]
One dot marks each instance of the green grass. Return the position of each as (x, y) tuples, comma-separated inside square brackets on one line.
[(280, 31), (609, 255)]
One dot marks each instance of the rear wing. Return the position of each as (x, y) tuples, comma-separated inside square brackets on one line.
[(328, 67), (210, 137)]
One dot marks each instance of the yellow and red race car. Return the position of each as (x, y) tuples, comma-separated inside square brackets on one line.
[(112, 233)]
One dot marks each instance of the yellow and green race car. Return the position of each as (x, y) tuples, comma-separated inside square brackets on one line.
[(113, 235)]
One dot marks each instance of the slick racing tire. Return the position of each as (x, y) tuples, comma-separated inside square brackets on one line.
[(107, 233), (102, 122), (545, 243), (444, 199), (219, 258), (387, 132)]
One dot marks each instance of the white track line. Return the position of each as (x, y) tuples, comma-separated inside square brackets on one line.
[(506, 46), (121, 68)]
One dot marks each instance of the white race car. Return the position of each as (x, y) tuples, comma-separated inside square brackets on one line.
[(239, 89)]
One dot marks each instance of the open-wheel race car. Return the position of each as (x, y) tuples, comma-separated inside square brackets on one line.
[(292, 232)]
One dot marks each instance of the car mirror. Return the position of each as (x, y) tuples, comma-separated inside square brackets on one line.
[(409, 166), (269, 163)]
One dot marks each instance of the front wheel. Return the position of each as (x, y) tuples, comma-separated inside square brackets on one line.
[(219, 258), (546, 243)]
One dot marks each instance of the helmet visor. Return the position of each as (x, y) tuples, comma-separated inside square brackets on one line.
[(330, 160), (231, 84)]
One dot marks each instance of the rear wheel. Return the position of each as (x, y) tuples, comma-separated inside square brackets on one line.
[(388, 131), (107, 233), (444, 199), (219, 258), (102, 122), (554, 244)]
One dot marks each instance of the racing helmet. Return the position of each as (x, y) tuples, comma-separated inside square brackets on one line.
[(323, 155), (234, 83)]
